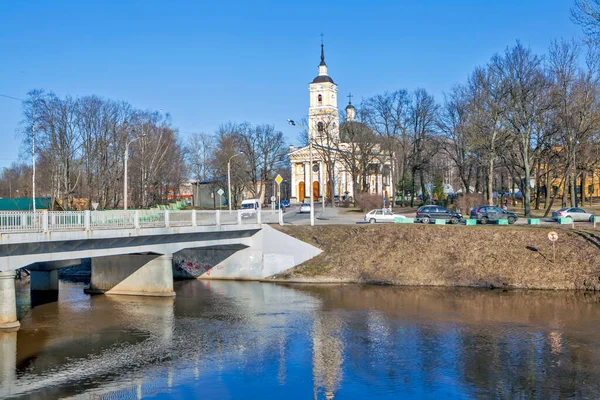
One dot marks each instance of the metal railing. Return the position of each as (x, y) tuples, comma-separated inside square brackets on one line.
[(57, 221)]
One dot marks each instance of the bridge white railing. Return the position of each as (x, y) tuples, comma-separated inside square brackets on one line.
[(56, 221)]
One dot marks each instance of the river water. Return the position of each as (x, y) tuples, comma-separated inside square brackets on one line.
[(242, 340)]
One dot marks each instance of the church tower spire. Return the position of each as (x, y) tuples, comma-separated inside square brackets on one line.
[(323, 111)]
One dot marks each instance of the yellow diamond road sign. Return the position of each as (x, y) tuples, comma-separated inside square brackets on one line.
[(278, 179)]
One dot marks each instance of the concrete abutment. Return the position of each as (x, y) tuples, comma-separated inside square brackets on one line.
[(132, 274)]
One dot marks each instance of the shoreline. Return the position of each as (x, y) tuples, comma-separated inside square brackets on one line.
[(493, 257)]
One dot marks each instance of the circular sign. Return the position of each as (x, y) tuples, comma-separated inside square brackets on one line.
[(553, 236), (316, 168), (273, 198)]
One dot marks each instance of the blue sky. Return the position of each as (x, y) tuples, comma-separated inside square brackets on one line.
[(209, 62)]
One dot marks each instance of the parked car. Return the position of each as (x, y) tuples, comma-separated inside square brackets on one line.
[(382, 215), (426, 214), (250, 207), (577, 214), (304, 208), (284, 204), (485, 214)]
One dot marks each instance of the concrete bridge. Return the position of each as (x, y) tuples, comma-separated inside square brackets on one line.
[(132, 251)]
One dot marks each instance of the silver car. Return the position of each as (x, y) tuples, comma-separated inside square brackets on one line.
[(575, 213), (383, 215)]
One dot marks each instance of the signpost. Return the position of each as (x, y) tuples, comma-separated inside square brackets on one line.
[(553, 237), (278, 180), (220, 192)]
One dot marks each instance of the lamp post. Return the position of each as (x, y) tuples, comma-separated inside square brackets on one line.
[(125, 177), (229, 178), (310, 156)]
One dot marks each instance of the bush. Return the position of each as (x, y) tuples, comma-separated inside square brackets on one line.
[(465, 202), (367, 202)]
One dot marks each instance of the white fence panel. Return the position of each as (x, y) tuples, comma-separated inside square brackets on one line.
[(66, 220), (207, 218), (269, 216), (180, 218), (20, 221), (117, 219), (152, 218), (229, 217)]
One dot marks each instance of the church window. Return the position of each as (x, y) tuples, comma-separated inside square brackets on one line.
[(320, 99)]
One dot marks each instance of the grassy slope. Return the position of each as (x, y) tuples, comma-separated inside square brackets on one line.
[(499, 256)]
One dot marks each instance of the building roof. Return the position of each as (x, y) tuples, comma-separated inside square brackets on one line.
[(322, 79), (25, 204)]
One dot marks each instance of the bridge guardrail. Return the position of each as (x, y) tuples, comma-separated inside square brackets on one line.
[(55, 221)]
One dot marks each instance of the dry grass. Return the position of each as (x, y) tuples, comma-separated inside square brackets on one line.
[(481, 256)]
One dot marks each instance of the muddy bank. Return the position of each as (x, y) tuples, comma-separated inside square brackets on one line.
[(481, 256)]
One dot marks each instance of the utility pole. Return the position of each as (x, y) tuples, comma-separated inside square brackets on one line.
[(33, 156)]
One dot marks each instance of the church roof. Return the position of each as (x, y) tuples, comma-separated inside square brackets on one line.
[(322, 78)]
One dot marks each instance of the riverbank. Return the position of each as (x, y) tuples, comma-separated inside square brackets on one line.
[(430, 255)]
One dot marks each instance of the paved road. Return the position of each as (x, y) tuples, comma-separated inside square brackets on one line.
[(335, 215)]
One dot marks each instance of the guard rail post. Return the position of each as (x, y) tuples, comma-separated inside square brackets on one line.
[(218, 218), (258, 216), (45, 221), (136, 219), (87, 219), (167, 222), (239, 217), (194, 220)]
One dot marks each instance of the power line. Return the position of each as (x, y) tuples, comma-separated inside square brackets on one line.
[(11, 97)]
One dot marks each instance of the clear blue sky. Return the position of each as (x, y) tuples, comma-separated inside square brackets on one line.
[(209, 62)]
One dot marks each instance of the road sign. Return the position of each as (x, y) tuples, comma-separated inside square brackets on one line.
[(279, 179), (553, 236), (220, 192), (95, 205), (273, 198)]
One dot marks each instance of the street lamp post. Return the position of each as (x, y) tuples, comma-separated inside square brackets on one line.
[(310, 156), (229, 179), (125, 172)]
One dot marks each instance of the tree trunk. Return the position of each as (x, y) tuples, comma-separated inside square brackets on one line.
[(490, 181)]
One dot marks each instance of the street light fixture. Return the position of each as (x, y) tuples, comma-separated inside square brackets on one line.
[(310, 156), (125, 172), (229, 178)]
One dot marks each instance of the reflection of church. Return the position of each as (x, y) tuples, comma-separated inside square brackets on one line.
[(323, 132)]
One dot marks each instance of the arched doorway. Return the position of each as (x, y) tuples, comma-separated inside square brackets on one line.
[(315, 191), (301, 192)]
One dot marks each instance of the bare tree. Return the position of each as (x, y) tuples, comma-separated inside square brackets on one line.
[(586, 13), (527, 101), (199, 153)]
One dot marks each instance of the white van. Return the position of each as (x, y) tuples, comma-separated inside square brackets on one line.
[(250, 207)]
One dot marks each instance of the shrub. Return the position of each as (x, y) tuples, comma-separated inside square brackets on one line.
[(367, 202)]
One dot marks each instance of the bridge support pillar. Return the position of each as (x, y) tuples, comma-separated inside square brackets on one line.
[(137, 275), (8, 360), (44, 280), (8, 302)]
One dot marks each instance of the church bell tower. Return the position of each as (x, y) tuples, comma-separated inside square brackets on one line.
[(323, 118)]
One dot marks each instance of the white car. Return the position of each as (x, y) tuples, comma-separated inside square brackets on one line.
[(305, 208), (383, 215)]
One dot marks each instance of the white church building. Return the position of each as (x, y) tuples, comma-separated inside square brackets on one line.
[(326, 145)]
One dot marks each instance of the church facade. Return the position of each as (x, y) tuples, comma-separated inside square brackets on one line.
[(325, 148)]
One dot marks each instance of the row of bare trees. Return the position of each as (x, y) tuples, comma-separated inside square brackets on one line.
[(530, 120), (261, 151), (79, 147)]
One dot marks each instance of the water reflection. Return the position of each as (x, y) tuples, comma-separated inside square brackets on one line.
[(244, 340)]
